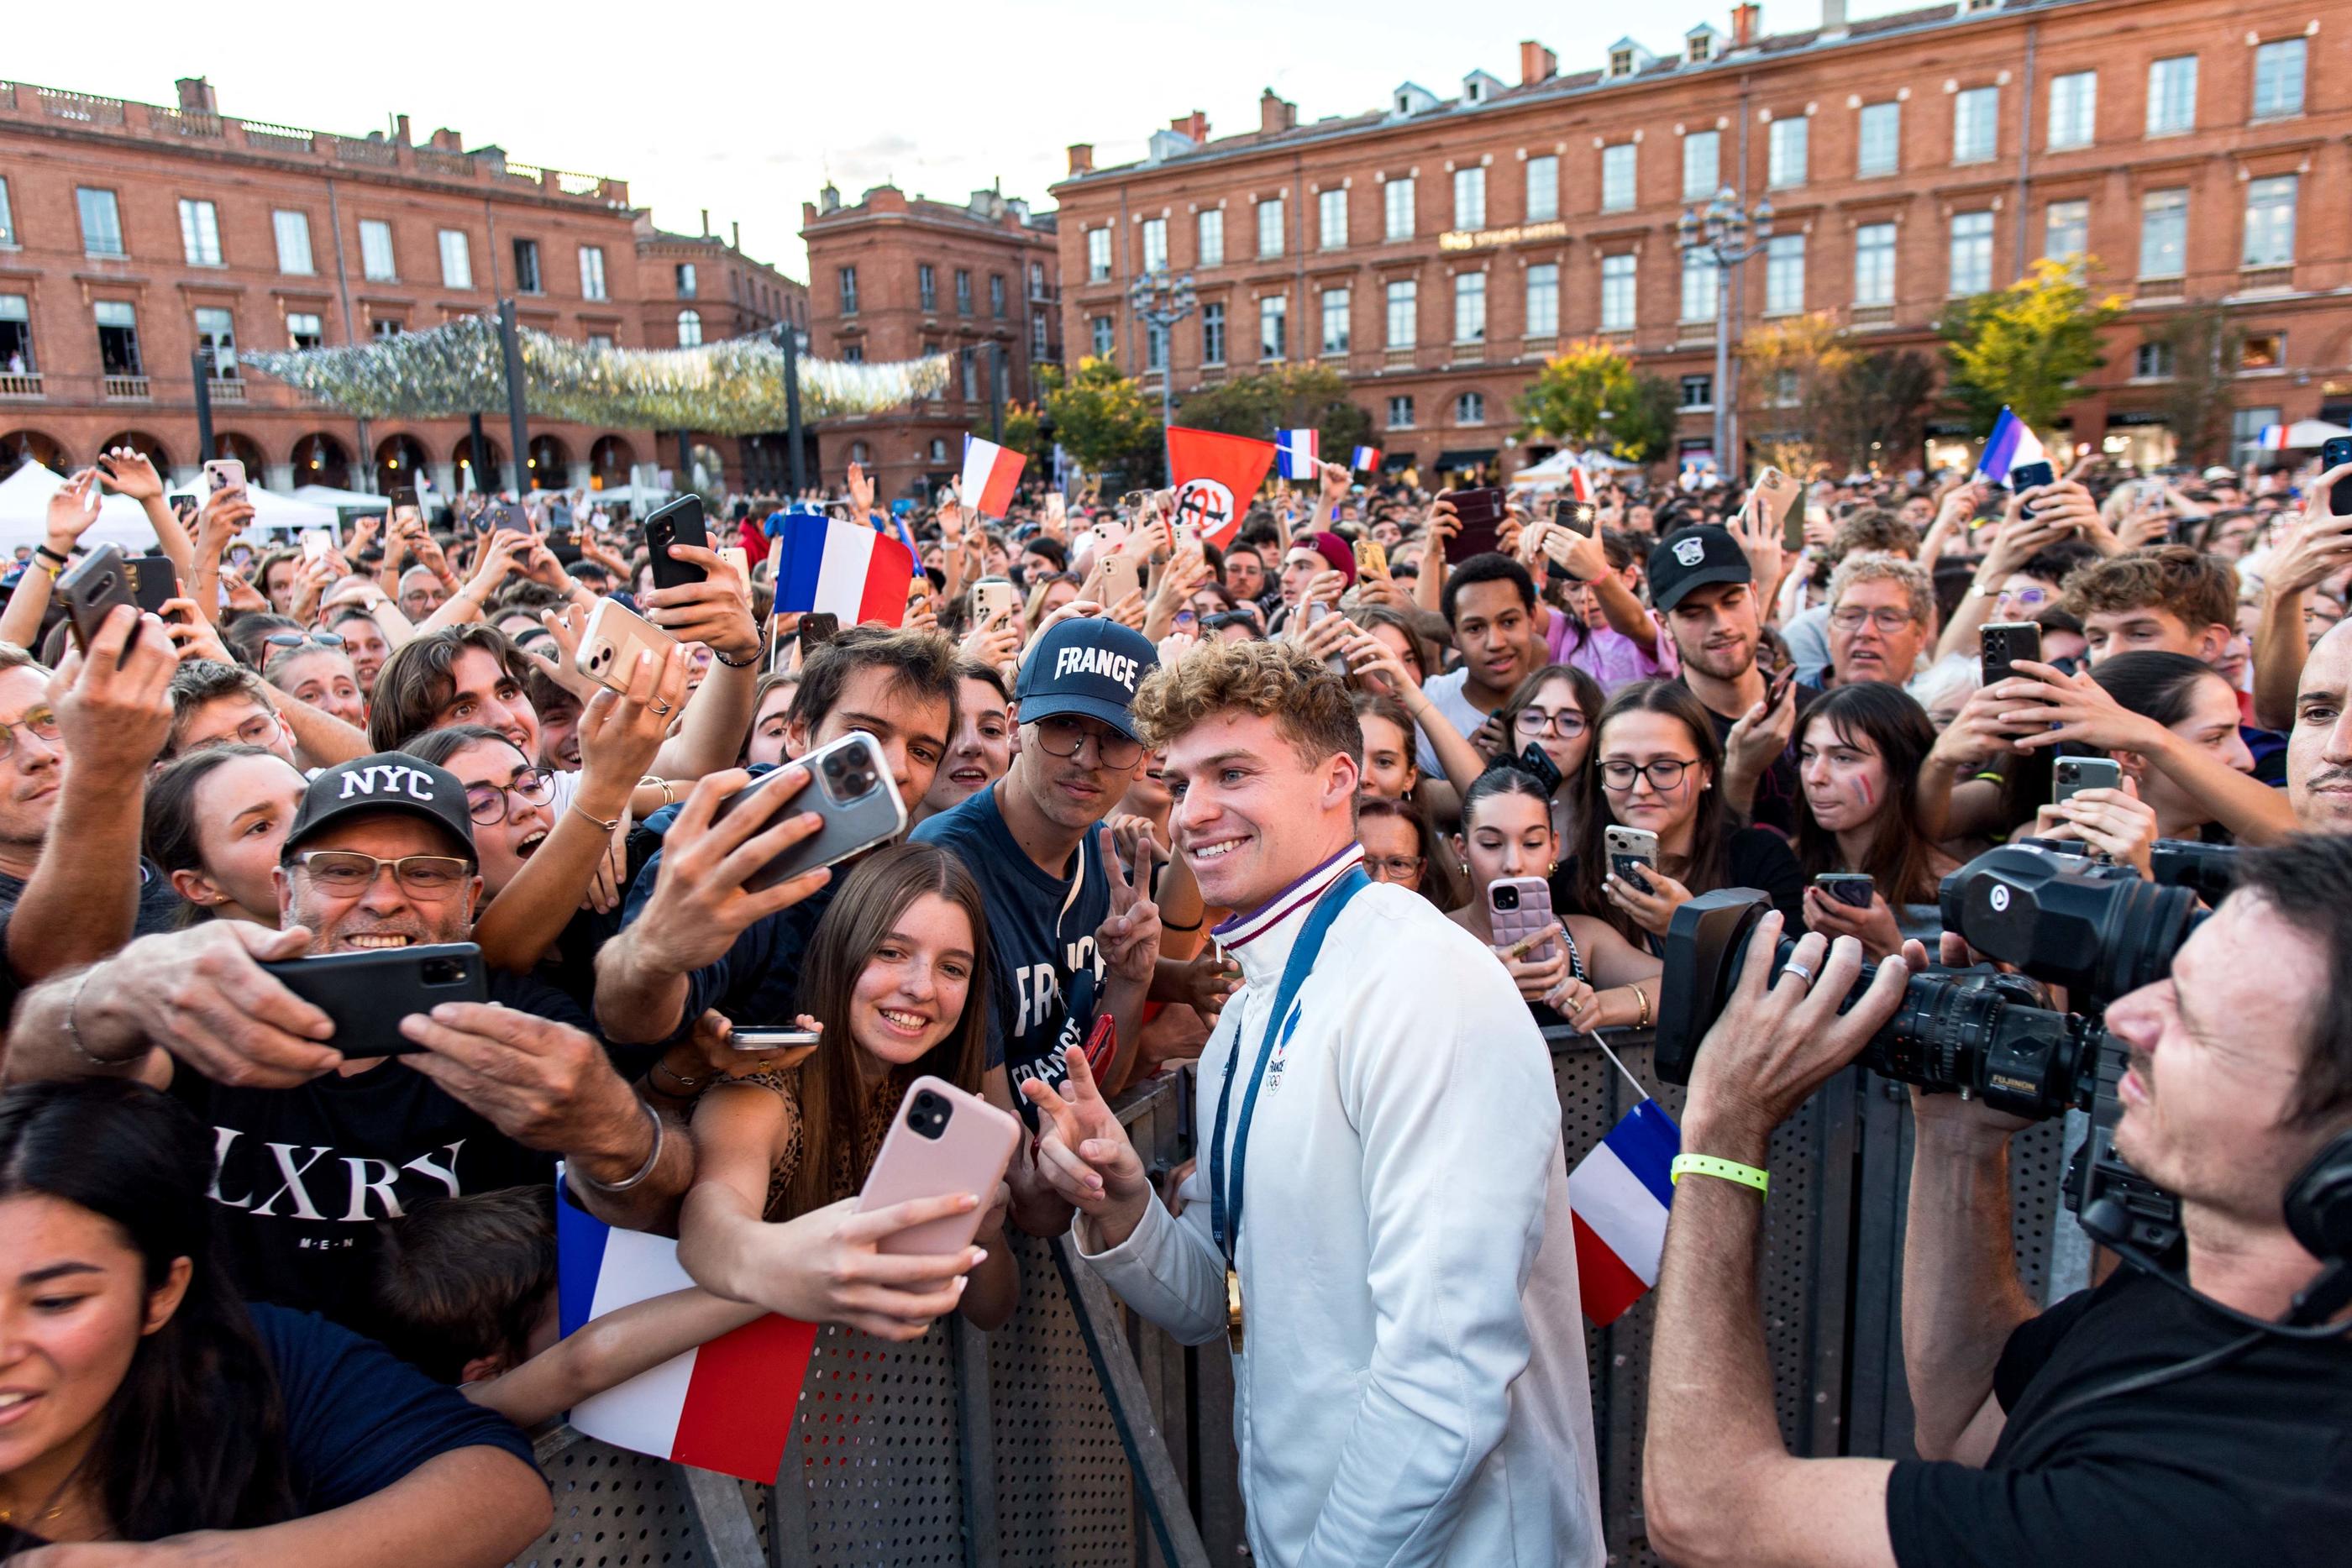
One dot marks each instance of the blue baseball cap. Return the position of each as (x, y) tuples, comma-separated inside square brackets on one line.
[(1089, 666)]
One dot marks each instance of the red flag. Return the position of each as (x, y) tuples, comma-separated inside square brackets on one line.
[(1215, 477)]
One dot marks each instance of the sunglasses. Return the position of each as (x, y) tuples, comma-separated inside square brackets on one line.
[(303, 640)]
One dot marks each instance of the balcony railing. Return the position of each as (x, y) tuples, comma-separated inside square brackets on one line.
[(2160, 288), (227, 389), (124, 388), (1400, 358), (2266, 279), (20, 384), (1694, 334), (1872, 316), (1470, 353)]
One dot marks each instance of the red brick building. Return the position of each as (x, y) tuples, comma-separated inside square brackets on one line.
[(133, 237), (897, 277), (1437, 251), (701, 289)]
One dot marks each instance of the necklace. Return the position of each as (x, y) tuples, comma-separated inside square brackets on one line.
[(8, 1516)]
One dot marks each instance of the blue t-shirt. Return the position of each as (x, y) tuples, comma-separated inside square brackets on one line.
[(357, 1417), (1044, 976)]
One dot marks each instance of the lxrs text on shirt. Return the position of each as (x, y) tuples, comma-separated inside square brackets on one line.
[(313, 1190)]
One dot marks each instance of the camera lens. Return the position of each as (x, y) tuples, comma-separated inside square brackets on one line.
[(445, 972), (1507, 898)]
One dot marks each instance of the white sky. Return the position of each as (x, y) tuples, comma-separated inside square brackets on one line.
[(745, 110)]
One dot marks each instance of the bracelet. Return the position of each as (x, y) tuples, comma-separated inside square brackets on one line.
[(669, 792), (612, 826), (758, 654), (643, 1171), (73, 1034), (1170, 925), (1642, 997), (1723, 1170), (43, 550)]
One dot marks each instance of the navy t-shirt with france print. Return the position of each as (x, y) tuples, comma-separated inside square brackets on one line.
[(1044, 976)]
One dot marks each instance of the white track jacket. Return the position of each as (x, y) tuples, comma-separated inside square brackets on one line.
[(1411, 1388)]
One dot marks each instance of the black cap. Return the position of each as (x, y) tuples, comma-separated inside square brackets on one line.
[(387, 781), (1693, 558), (1089, 664)]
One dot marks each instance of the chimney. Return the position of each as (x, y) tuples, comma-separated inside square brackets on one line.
[(705, 223), (829, 199), (1744, 17), (1834, 19), (1536, 62), (1275, 113), (447, 141), (1082, 157), (197, 96), (401, 134), (1194, 125), (735, 236)]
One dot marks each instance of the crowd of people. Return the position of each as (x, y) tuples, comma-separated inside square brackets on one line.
[(1171, 802)]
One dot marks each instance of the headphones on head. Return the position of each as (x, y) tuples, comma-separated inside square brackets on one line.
[(2319, 1216)]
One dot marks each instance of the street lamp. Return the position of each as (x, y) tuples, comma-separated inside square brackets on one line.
[(1159, 302), (1719, 232)]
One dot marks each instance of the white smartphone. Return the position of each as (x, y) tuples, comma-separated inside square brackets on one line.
[(1631, 853), (224, 474), (803, 1039), (317, 544), (610, 642), (994, 596), (944, 1141), (1120, 576)]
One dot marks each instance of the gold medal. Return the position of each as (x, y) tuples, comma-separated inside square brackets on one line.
[(1233, 1310)]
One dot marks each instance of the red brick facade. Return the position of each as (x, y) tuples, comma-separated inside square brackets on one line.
[(2232, 184), (993, 279)]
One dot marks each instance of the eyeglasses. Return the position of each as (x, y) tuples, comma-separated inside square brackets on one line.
[(490, 804), (303, 640), (1224, 618), (1394, 868), (346, 873), (1887, 618), (41, 722), (1567, 724), (2023, 598), (1063, 735), (259, 730), (1664, 774)]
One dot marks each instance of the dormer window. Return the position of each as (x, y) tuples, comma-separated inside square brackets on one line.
[(1404, 104), (1701, 46), (1620, 62)]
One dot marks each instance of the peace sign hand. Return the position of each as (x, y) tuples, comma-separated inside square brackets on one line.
[(1085, 1154), (1128, 938)]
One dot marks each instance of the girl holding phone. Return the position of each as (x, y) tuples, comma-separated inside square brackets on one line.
[(1592, 977), (895, 979), (1858, 759), (1555, 710)]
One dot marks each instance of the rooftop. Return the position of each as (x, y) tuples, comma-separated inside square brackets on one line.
[(988, 210)]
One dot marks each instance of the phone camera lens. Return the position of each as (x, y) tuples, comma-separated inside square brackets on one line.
[(1507, 898)]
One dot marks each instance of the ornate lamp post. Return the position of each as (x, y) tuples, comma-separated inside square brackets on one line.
[(1720, 232), (1160, 301)]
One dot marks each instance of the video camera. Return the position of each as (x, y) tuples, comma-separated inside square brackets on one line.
[(2065, 919)]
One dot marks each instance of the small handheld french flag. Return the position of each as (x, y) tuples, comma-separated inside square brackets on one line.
[(1617, 1199), (1580, 485), (843, 568), (989, 474), (1367, 460), (1295, 450), (2273, 438), (726, 1406), (2010, 445)]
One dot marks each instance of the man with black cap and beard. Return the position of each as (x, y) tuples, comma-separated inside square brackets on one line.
[(1703, 586)]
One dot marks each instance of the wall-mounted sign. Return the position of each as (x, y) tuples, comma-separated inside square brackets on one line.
[(1487, 239)]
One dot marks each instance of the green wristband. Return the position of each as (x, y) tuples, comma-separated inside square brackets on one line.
[(1724, 1170)]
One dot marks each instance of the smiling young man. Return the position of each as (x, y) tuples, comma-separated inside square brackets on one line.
[(1410, 1380), (1489, 600)]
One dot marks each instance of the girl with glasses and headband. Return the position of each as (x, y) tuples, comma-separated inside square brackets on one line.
[(1652, 766), (1556, 711)]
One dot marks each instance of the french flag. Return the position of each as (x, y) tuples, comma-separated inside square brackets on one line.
[(1367, 460), (1617, 1199), (1580, 485), (989, 474), (727, 1406), (1295, 450), (843, 568), (2273, 439), (2010, 445)]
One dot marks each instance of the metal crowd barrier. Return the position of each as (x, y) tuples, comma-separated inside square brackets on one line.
[(1079, 1436)]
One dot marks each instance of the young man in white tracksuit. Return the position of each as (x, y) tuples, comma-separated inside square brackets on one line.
[(1381, 1200)]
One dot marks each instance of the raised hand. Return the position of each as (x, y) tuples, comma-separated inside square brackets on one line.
[(72, 509), (133, 474), (861, 489), (714, 611), (1128, 940), (1085, 1154), (1759, 540)]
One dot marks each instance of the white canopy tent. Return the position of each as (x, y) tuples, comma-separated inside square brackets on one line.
[(25, 514), (1555, 469)]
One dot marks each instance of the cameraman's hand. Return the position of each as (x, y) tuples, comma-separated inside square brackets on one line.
[(1873, 927), (1774, 1044)]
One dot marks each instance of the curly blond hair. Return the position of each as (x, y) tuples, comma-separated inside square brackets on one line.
[(1277, 680)]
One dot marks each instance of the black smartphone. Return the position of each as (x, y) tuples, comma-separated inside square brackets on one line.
[(368, 993), (1850, 888), (1777, 686), (678, 522), (816, 629), (1576, 517), (1535, 760), (155, 582), (1480, 512), (2333, 453), (509, 517), (2001, 643), (90, 589), (851, 788), (2026, 476)]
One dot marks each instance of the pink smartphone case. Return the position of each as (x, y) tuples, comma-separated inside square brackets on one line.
[(1533, 914), (970, 1155)]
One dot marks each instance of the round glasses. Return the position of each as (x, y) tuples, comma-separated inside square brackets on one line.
[(347, 873), (1664, 774), (1064, 735), (1567, 724), (490, 804)]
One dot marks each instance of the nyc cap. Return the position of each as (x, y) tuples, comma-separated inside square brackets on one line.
[(387, 781), (1692, 558), (1089, 666)]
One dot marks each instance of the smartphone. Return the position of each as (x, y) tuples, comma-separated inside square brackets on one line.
[(405, 510), (367, 993), (1481, 513), (1536, 761), (816, 629), (1633, 853), (155, 582), (90, 589), (507, 518), (2335, 453), (611, 642), (1102, 1044), (1337, 662), (1778, 495), (1120, 576), (740, 558), (994, 596), (1518, 907), (1576, 517), (2002, 644), (224, 474), (318, 544), (1776, 686), (1850, 888), (851, 788), (1371, 559), (2026, 476), (942, 1141), (801, 1041), (2072, 775), (678, 522)]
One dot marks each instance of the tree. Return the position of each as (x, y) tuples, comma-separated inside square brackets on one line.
[(1875, 411), (1787, 368), (2202, 394), (1590, 394), (1103, 419), (1023, 431), (2028, 346), (1295, 397)]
